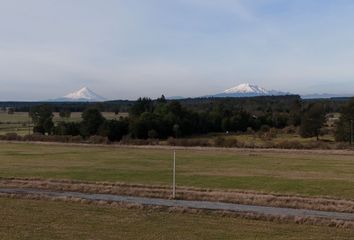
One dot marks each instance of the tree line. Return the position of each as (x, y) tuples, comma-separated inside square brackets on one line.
[(161, 119)]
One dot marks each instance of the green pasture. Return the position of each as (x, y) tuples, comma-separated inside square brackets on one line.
[(301, 173)]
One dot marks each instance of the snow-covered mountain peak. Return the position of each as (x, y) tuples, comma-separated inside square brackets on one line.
[(247, 88), (84, 94)]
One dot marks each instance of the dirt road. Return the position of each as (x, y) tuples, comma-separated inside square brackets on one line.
[(206, 205)]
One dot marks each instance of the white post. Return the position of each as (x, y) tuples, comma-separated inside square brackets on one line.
[(174, 175), (351, 132)]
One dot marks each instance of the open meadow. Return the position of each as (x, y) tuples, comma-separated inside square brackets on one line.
[(306, 173), (283, 172)]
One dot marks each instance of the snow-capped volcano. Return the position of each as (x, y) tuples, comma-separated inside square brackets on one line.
[(249, 90), (82, 95)]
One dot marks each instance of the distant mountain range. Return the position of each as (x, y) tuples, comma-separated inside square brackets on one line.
[(325, 96), (242, 90), (251, 90), (248, 90), (82, 95)]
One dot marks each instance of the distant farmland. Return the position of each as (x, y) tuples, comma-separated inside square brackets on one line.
[(20, 122)]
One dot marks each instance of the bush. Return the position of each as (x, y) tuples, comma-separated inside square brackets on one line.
[(11, 137), (188, 142), (98, 140), (317, 145), (226, 142), (286, 144), (265, 128), (219, 141), (268, 135), (130, 141), (343, 145), (75, 139), (250, 130), (52, 138), (290, 130)]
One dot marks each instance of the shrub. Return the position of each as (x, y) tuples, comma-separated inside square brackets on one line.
[(265, 128), (250, 130), (75, 139), (226, 142), (286, 144), (130, 141), (268, 135), (317, 145), (219, 141), (188, 142), (171, 141), (11, 137), (98, 140), (290, 130)]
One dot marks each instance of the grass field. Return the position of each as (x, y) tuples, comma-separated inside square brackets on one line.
[(19, 121), (37, 219), (285, 173)]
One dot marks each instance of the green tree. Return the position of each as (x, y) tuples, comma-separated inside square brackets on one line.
[(116, 110), (141, 126), (67, 128), (343, 129), (92, 119), (64, 113), (176, 130), (140, 106), (161, 100), (42, 117), (312, 121), (295, 113), (114, 129), (153, 134)]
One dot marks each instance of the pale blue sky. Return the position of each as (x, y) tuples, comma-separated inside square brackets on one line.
[(123, 49)]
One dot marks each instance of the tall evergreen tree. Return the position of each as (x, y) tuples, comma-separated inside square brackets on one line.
[(92, 119), (42, 117), (312, 121), (343, 130)]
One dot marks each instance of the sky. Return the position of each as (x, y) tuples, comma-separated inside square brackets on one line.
[(124, 49)]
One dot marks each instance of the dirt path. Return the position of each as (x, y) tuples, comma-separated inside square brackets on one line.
[(207, 205)]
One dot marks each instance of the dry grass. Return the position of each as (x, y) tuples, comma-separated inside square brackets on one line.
[(181, 210), (67, 219), (185, 193)]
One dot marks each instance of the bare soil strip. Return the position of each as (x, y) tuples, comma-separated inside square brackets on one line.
[(205, 205)]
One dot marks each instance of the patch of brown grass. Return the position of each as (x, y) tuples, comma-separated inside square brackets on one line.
[(242, 215), (185, 193)]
